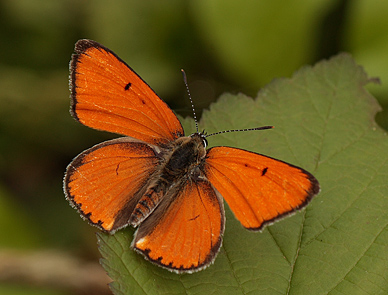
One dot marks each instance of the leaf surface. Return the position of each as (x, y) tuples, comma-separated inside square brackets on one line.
[(324, 122)]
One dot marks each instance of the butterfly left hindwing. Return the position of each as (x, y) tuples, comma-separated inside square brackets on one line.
[(106, 181)]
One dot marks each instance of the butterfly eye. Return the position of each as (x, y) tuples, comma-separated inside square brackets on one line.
[(205, 143)]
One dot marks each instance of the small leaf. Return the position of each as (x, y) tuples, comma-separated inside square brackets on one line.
[(324, 122)]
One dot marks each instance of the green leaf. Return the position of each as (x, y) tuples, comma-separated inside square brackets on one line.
[(324, 122)]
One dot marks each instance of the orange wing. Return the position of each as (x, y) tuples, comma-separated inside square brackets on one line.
[(258, 189), (108, 95), (106, 181), (184, 233)]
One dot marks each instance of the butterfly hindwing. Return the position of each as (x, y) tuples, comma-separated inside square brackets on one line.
[(108, 95), (184, 233), (258, 189), (106, 181)]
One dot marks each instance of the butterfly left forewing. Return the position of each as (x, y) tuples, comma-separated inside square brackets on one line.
[(184, 233), (106, 94), (258, 189)]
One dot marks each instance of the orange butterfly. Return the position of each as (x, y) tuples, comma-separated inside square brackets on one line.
[(160, 181)]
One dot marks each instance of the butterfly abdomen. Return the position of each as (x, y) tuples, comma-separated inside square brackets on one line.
[(147, 204)]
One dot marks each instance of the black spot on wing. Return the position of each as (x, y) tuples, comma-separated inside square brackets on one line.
[(264, 171), (128, 86), (194, 218)]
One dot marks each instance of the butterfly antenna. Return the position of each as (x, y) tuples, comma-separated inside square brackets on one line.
[(238, 130), (191, 101)]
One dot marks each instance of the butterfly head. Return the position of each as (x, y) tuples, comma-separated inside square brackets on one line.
[(200, 137)]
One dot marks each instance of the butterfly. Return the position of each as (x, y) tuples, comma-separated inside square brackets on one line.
[(156, 179)]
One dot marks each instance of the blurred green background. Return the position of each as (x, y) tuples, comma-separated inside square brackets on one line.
[(223, 45)]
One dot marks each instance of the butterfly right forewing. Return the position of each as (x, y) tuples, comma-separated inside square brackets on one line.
[(257, 188)]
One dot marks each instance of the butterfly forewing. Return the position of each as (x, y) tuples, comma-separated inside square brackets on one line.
[(108, 95), (258, 189)]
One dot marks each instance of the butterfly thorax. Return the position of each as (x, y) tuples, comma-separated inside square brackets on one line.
[(185, 158), (181, 163)]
